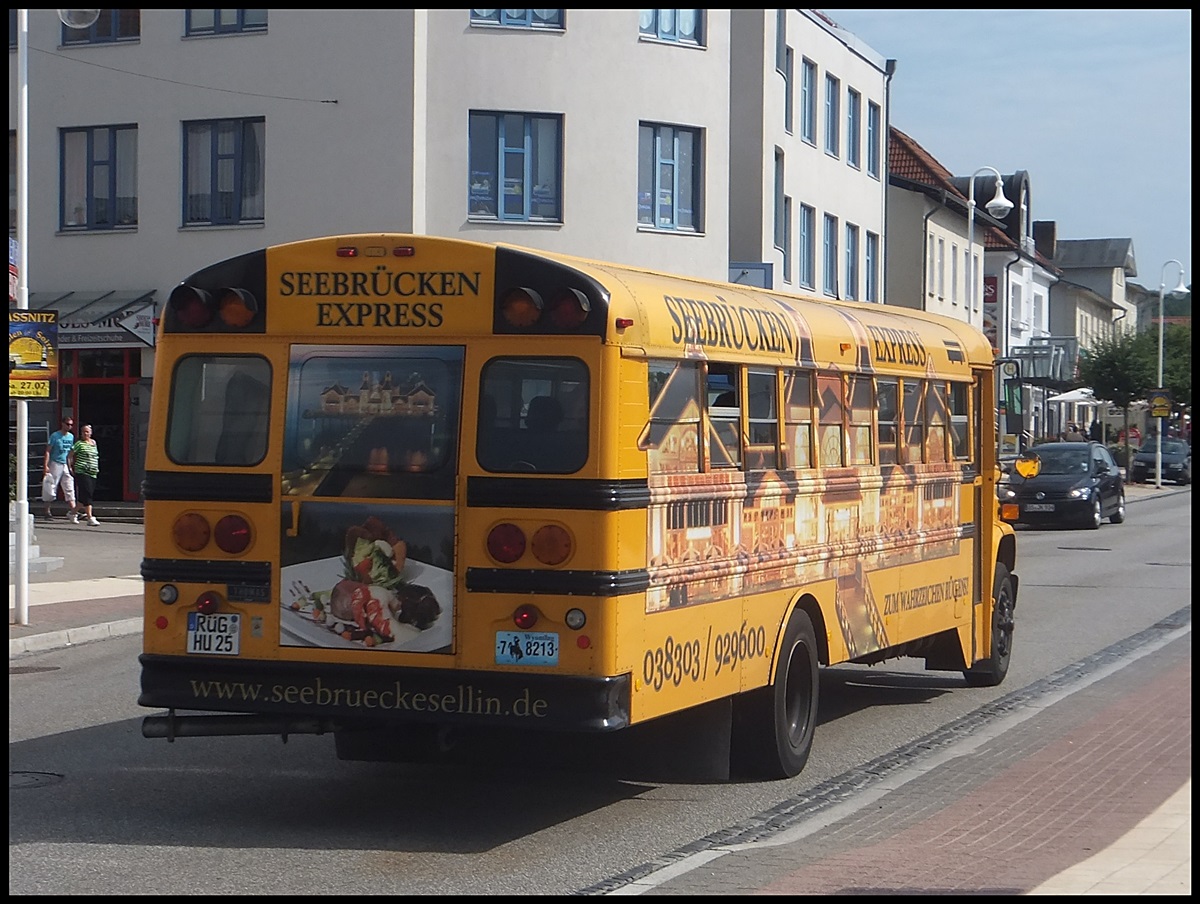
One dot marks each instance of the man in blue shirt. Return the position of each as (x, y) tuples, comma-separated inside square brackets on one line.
[(54, 467)]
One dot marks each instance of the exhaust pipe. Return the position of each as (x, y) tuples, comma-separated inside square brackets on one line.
[(172, 726)]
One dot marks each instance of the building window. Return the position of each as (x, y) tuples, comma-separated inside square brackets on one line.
[(941, 268), (223, 162), (789, 93), (833, 89), (808, 247), (99, 178), (954, 274), (12, 29), (779, 219), (851, 261), (787, 239), (831, 256), (669, 171), (224, 21), (808, 101), (112, 26), (871, 263), (874, 133), (976, 277), (516, 167), (781, 47), (519, 18), (683, 26), (853, 127)]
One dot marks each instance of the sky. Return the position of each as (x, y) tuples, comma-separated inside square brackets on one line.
[(1095, 105)]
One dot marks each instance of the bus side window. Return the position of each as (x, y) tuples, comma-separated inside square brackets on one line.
[(862, 409), (724, 442), (831, 406), (798, 420), (914, 420), (886, 396), (763, 414), (671, 438), (959, 433)]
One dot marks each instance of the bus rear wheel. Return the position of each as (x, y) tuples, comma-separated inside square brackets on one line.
[(773, 726), (991, 671)]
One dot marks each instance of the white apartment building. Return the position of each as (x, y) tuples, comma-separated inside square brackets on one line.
[(706, 142)]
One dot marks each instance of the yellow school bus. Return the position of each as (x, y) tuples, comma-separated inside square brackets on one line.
[(397, 484)]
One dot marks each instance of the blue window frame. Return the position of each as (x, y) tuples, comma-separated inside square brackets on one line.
[(874, 132), (830, 261), (224, 21), (789, 90), (833, 89), (853, 127), (780, 220), (113, 25), (683, 26), (98, 178), (12, 29), (518, 18), (223, 171), (808, 101), (871, 264), (808, 247), (515, 167), (669, 173), (851, 261)]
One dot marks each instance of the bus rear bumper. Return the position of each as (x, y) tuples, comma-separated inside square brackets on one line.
[(308, 698)]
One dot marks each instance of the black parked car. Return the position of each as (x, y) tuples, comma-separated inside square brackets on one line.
[(1176, 461), (1068, 483)]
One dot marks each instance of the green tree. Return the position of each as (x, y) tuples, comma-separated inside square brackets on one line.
[(1120, 371)]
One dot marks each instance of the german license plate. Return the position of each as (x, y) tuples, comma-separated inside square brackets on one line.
[(526, 648), (1039, 507), (218, 634)]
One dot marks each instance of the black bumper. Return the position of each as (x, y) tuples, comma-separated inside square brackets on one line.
[(366, 696)]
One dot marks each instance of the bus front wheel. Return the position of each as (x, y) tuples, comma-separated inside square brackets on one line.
[(773, 726)]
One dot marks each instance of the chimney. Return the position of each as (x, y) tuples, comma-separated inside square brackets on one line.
[(1045, 238)]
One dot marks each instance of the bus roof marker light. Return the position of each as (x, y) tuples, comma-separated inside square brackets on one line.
[(376, 251), (193, 307), (404, 251), (237, 307), (347, 251), (521, 307), (624, 322)]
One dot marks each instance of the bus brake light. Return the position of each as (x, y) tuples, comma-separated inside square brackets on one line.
[(232, 534), (191, 532), (569, 309), (208, 602), (506, 543), (525, 617)]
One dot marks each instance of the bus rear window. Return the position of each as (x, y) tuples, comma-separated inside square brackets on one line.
[(533, 415), (220, 410)]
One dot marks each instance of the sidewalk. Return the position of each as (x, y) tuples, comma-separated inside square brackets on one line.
[(1097, 780)]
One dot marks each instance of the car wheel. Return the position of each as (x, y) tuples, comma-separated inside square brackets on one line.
[(1095, 519), (1118, 515), (991, 671)]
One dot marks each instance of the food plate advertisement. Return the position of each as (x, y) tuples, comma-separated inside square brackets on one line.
[(372, 577)]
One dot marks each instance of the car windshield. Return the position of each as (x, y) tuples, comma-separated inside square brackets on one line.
[(1063, 461), (1169, 447)]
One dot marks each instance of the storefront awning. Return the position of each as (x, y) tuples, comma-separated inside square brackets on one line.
[(112, 319)]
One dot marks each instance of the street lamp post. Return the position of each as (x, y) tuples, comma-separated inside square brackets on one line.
[(1162, 284), (72, 18), (998, 207)]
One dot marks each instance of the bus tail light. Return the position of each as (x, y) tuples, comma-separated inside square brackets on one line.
[(237, 307), (191, 532), (525, 617), (569, 309), (506, 543), (192, 307), (208, 602), (551, 545), (521, 307), (232, 534)]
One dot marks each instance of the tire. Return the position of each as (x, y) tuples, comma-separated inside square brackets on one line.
[(991, 671), (1118, 515), (773, 726), (1096, 518)]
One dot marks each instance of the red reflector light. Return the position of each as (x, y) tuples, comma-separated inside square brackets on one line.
[(404, 251), (208, 602), (193, 307), (521, 308), (525, 617), (237, 307), (232, 534), (583, 641), (161, 622), (506, 543), (624, 322), (569, 309), (347, 251)]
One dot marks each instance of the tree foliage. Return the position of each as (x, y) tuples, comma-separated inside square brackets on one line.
[(1118, 369)]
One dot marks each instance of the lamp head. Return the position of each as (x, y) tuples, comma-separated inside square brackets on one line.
[(999, 206), (1182, 288)]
